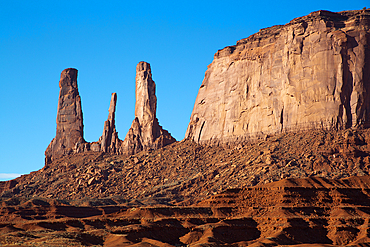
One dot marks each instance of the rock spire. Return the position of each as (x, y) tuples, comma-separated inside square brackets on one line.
[(109, 139), (145, 132), (69, 133)]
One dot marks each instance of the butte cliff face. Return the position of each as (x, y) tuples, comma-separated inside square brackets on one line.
[(313, 72), (69, 132), (145, 132)]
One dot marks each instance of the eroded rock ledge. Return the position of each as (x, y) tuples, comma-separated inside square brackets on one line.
[(313, 72), (144, 134)]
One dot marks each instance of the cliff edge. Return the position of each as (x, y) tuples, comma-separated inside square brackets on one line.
[(313, 72)]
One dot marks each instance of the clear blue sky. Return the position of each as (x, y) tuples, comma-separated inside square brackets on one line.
[(105, 40)]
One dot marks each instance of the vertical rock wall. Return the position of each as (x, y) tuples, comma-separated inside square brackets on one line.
[(313, 72)]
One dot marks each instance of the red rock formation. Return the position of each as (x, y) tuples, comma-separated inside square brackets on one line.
[(313, 72), (109, 140), (145, 132), (69, 133)]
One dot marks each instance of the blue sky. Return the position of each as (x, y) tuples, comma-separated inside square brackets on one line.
[(105, 40)]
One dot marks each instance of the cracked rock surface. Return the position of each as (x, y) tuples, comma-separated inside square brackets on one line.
[(313, 72)]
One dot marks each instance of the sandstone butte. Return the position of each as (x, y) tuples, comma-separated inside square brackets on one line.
[(145, 132), (308, 185), (313, 72)]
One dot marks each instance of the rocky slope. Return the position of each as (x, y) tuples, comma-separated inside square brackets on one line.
[(185, 172), (313, 72), (305, 183)]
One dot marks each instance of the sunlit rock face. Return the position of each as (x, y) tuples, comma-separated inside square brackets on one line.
[(313, 72), (145, 132)]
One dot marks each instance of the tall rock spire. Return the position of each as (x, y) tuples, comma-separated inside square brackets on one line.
[(146, 101), (109, 139), (145, 132), (69, 132)]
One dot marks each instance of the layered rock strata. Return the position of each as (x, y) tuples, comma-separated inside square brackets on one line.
[(313, 72), (69, 133), (292, 212), (109, 140), (145, 132)]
